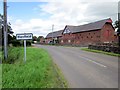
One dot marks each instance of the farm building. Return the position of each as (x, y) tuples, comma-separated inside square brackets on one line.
[(97, 32), (42, 39), (54, 37)]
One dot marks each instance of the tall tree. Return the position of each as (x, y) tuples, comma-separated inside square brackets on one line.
[(1, 31), (117, 25), (34, 38)]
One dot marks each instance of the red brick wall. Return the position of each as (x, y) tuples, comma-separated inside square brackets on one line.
[(89, 37), (47, 40), (42, 40), (107, 33), (86, 38), (115, 38), (83, 38)]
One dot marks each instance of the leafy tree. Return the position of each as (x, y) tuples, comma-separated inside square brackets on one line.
[(34, 38), (117, 25), (2, 33), (39, 38)]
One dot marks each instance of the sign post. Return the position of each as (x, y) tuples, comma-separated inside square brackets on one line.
[(25, 50), (24, 36), (5, 30)]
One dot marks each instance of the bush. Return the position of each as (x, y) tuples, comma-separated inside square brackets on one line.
[(13, 55), (16, 43), (28, 43)]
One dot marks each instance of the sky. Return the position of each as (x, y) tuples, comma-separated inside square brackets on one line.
[(38, 16)]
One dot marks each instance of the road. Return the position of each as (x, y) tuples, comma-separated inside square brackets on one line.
[(84, 69)]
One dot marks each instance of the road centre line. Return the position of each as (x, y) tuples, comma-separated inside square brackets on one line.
[(93, 61)]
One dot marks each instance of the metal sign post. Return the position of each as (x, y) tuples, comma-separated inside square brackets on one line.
[(5, 29), (25, 50), (24, 36)]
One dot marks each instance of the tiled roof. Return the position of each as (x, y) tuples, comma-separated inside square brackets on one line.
[(88, 27), (54, 34)]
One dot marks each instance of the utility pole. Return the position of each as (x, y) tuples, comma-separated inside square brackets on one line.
[(5, 29), (118, 23), (52, 33), (118, 31)]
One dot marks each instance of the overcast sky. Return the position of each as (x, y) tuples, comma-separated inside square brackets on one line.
[(37, 17)]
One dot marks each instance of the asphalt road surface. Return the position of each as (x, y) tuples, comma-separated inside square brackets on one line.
[(84, 69)]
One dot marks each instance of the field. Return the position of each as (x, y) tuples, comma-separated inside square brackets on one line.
[(37, 72)]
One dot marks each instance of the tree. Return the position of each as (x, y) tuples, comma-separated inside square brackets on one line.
[(117, 25), (39, 38), (2, 31), (34, 38)]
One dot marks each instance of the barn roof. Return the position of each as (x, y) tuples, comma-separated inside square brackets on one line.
[(88, 27), (54, 34)]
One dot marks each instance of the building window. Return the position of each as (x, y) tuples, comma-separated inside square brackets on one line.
[(87, 36), (89, 33), (91, 37)]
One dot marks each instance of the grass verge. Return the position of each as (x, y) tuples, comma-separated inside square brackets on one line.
[(102, 52), (37, 72), (0, 69), (0, 54)]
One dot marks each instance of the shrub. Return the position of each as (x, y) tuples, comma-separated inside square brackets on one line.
[(28, 43), (16, 43), (13, 55)]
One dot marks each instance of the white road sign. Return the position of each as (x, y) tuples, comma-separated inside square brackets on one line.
[(24, 36)]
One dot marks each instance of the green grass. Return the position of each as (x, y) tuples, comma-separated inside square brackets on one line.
[(37, 72), (102, 52), (0, 70), (0, 76), (0, 54)]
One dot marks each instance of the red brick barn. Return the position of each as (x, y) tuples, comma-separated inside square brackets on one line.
[(92, 33), (56, 36)]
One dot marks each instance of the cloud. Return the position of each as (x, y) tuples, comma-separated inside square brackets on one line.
[(36, 26), (66, 13)]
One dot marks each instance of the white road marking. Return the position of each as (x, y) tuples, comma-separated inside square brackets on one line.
[(98, 63), (94, 62)]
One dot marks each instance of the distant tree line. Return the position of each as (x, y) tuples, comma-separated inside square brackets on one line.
[(37, 39)]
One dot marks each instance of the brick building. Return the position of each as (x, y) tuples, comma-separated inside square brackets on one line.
[(42, 39), (115, 37), (56, 36), (97, 32)]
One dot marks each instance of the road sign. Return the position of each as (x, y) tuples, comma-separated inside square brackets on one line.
[(24, 36)]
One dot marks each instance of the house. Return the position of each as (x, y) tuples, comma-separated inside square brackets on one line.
[(97, 32), (53, 37), (42, 39), (115, 37)]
